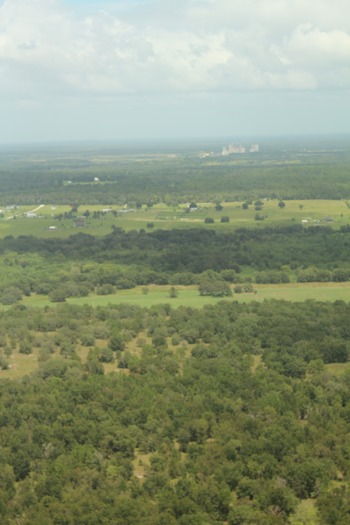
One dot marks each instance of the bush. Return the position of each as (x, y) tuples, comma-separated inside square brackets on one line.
[(243, 288), (105, 289), (116, 343), (215, 288), (25, 347), (106, 355), (173, 292), (271, 277), (4, 365), (58, 295), (11, 296), (87, 339), (259, 217)]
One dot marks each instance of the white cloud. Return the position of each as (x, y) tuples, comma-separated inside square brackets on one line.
[(159, 47), (310, 44)]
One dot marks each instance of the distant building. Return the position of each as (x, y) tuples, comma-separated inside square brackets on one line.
[(31, 215), (233, 149)]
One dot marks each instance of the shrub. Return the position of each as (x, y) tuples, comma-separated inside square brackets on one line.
[(215, 288)]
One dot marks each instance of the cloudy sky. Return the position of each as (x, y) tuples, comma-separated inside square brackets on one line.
[(133, 69)]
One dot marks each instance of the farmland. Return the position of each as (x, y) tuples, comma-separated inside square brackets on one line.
[(50, 220)]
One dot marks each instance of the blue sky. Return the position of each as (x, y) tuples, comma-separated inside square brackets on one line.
[(85, 70)]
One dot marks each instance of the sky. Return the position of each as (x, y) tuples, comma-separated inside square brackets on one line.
[(163, 69)]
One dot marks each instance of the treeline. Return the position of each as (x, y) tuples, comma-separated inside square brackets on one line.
[(221, 415), (173, 181), (83, 263), (197, 250)]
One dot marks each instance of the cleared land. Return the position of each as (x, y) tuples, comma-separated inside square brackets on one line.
[(15, 222), (189, 296)]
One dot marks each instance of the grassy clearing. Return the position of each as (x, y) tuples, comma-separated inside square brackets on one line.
[(189, 296), (140, 463), (305, 513), (338, 369), (299, 292), (20, 365), (165, 217), (257, 361)]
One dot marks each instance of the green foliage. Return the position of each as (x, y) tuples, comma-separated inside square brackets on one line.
[(216, 288), (173, 292), (243, 288), (155, 178), (229, 414), (58, 295), (123, 260), (4, 364), (214, 437), (334, 506), (116, 343), (11, 295)]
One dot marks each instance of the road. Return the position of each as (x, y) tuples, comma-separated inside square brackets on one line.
[(25, 213)]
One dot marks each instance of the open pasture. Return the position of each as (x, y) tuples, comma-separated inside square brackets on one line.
[(42, 221), (189, 296)]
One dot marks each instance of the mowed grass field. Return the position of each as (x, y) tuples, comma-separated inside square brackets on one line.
[(189, 296), (312, 212)]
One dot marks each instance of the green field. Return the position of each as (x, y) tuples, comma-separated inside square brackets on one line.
[(309, 212), (189, 296)]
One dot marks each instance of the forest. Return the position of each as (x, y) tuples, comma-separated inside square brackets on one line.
[(308, 169), (226, 414), (223, 415), (83, 264)]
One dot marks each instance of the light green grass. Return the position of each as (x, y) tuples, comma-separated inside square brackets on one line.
[(189, 296), (165, 217), (20, 365), (338, 369), (299, 292)]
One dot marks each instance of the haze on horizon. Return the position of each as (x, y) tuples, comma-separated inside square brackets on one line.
[(156, 69)]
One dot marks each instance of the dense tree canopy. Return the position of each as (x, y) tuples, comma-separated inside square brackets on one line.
[(225, 414), (83, 263)]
